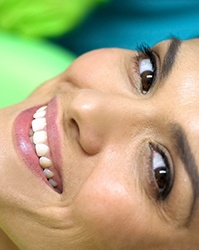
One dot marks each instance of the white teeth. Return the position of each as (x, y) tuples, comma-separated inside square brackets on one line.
[(41, 109), (45, 162), (40, 113), (38, 124), (41, 149), (48, 173), (40, 137), (53, 183)]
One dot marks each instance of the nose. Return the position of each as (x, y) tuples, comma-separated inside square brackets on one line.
[(101, 119), (92, 121)]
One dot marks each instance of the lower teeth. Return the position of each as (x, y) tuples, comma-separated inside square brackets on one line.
[(45, 163), (52, 182)]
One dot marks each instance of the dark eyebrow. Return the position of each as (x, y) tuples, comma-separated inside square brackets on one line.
[(183, 149), (170, 56)]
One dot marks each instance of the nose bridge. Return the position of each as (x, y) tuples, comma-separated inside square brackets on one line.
[(101, 117)]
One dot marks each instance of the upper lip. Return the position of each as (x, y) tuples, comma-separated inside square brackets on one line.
[(54, 138), (25, 148)]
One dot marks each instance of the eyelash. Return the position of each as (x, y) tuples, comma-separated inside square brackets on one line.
[(145, 52)]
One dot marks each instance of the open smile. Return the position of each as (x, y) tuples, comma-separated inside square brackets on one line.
[(37, 140)]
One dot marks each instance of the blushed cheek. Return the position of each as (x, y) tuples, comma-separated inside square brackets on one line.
[(110, 213)]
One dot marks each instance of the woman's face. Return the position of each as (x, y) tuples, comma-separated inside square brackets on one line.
[(120, 134)]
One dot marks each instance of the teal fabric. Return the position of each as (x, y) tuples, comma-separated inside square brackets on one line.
[(128, 23)]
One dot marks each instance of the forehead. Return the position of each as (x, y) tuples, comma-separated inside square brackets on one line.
[(188, 48), (182, 83), (192, 43)]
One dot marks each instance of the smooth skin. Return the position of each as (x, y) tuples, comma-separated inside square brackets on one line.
[(109, 200)]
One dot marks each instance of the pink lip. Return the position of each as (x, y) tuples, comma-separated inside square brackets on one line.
[(25, 148), (54, 138)]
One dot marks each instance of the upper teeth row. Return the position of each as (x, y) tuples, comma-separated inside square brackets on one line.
[(40, 140)]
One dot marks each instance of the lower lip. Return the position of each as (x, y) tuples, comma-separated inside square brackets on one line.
[(24, 147)]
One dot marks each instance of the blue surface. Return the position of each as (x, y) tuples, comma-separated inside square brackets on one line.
[(128, 23)]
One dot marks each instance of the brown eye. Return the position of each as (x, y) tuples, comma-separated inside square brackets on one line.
[(147, 81), (162, 173), (162, 177), (147, 73)]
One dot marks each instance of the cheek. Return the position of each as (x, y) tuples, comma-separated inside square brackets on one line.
[(109, 212)]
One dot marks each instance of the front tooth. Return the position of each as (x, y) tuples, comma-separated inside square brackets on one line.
[(41, 149), (48, 173), (40, 137), (45, 162), (41, 109), (53, 183), (38, 124), (40, 113)]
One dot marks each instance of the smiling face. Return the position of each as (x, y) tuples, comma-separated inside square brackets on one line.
[(120, 133)]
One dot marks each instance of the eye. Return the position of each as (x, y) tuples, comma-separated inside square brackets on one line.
[(161, 171), (146, 74), (147, 68)]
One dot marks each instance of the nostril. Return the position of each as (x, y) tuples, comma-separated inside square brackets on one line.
[(76, 133), (75, 129), (84, 138)]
